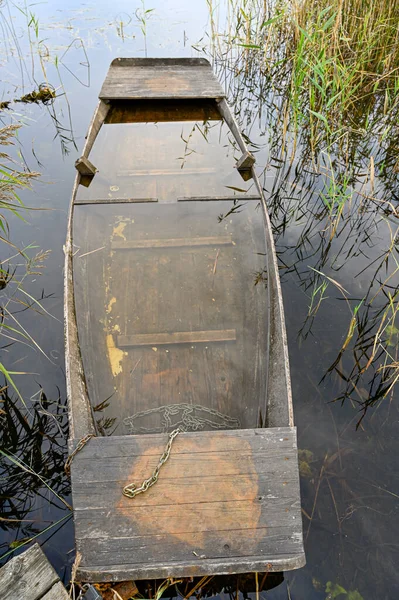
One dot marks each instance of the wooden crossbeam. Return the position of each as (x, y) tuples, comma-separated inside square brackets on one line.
[(220, 240), (166, 172), (114, 200), (177, 337), (217, 198)]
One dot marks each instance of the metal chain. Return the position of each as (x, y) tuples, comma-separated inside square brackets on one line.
[(81, 444), (131, 490), (189, 419)]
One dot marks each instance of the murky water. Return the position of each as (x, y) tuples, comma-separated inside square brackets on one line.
[(349, 475)]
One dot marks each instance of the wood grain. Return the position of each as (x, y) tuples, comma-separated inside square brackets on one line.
[(241, 198), (222, 496), (165, 110), (114, 201), (221, 240), (159, 78), (28, 576), (57, 592), (177, 337)]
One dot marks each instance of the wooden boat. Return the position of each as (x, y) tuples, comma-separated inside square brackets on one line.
[(175, 328)]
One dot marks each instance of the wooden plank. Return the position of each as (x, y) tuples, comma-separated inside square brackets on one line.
[(166, 173), (203, 567), (57, 592), (115, 201), (28, 576), (160, 78), (85, 167), (246, 161), (217, 198), (177, 337), (194, 491), (246, 515), (221, 240), (165, 110)]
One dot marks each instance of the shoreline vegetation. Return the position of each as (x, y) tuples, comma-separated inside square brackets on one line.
[(321, 82)]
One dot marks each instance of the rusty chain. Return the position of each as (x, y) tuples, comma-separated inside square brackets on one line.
[(131, 490)]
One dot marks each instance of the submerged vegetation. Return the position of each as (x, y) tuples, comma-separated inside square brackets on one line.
[(320, 80), (315, 84)]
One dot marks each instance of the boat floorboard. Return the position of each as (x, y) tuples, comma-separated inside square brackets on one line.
[(30, 576), (137, 79), (225, 502)]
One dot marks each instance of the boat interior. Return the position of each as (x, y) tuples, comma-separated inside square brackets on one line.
[(170, 278)]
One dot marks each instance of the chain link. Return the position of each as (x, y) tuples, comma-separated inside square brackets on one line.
[(131, 490), (82, 443)]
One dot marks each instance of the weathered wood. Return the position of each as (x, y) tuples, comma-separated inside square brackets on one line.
[(140, 78), (222, 240), (218, 198), (168, 173), (175, 289), (95, 126), (177, 337), (165, 110), (114, 201), (246, 161), (57, 592), (226, 502), (28, 576), (232, 123), (247, 510), (85, 167)]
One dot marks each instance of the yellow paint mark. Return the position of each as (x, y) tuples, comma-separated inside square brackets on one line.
[(115, 356), (118, 230), (110, 305)]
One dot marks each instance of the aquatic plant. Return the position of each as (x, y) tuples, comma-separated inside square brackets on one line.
[(321, 83), (32, 457)]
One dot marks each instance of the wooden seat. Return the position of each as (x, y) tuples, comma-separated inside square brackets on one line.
[(155, 78), (222, 497)]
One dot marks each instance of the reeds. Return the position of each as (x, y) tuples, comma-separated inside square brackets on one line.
[(319, 82), (333, 65)]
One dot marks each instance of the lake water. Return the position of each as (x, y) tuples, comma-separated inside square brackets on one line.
[(349, 473)]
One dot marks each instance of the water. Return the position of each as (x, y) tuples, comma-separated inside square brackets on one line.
[(349, 481)]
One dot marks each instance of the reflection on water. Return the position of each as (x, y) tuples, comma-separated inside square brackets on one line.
[(164, 161), (34, 490), (349, 477)]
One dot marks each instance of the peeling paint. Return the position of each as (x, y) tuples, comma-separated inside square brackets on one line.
[(118, 230), (110, 305), (115, 356)]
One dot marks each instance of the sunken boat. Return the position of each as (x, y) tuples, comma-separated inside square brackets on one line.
[(183, 449)]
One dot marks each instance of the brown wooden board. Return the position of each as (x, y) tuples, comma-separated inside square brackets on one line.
[(165, 289), (225, 502), (30, 576), (217, 240), (177, 337), (139, 78), (126, 111), (115, 200)]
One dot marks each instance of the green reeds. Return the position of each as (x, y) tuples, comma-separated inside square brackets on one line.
[(335, 62)]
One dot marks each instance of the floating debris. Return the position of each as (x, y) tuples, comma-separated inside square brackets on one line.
[(45, 95)]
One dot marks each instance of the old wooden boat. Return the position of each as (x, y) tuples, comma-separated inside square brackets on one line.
[(175, 327)]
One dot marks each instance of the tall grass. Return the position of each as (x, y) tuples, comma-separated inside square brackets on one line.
[(319, 79), (333, 65), (12, 179)]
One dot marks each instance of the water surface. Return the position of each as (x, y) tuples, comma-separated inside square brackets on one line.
[(349, 475)]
